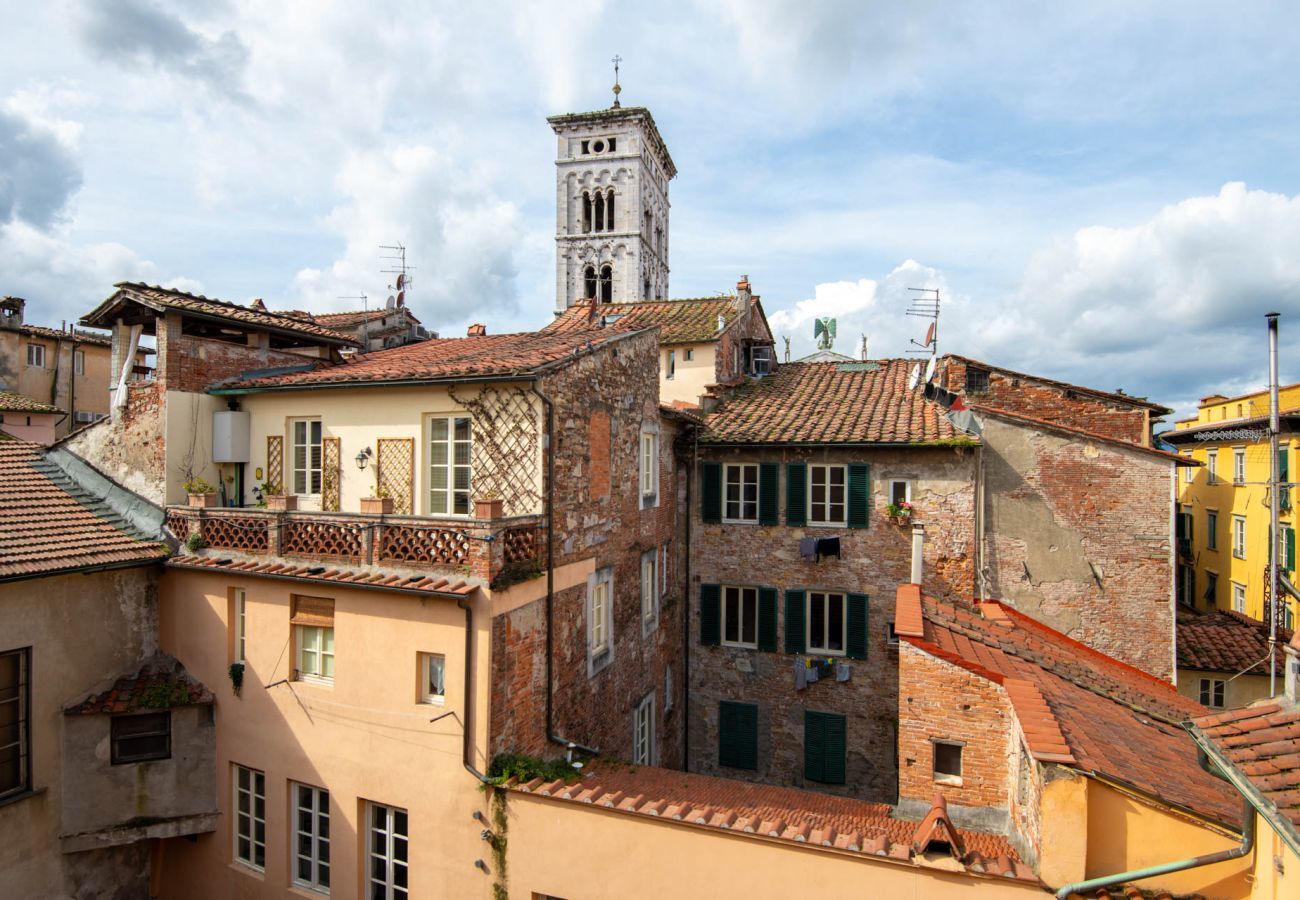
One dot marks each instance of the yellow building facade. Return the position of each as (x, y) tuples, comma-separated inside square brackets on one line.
[(1224, 505)]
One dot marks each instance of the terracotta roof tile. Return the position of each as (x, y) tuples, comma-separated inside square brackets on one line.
[(1226, 641), (816, 403), (77, 334), (15, 402), (48, 524), (679, 321), (428, 584), (1263, 741), (159, 682)]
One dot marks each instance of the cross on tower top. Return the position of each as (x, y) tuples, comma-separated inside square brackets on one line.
[(617, 90)]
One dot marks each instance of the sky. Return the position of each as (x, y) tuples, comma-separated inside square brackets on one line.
[(1106, 193)]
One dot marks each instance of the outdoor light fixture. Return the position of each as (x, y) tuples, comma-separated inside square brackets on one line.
[(363, 458)]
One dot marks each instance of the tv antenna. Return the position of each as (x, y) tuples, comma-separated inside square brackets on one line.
[(396, 259), (365, 314), (926, 306)]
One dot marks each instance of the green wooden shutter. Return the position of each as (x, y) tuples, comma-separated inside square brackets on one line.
[(835, 745), (859, 495), (814, 746), (796, 494), (1290, 549), (794, 639), (857, 626), (710, 614), (711, 491), (1284, 475), (738, 735), (769, 487), (767, 619)]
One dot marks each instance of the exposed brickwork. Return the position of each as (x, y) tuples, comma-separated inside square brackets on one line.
[(873, 561), (132, 448), (194, 364)]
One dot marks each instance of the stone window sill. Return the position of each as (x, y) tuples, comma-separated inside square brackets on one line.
[(25, 795)]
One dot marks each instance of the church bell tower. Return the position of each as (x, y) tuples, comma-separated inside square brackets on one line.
[(611, 214)]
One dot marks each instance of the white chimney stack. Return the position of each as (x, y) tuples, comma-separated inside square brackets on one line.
[(918, 548)]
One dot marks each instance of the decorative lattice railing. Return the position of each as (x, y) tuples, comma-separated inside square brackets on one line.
[(324, 539)]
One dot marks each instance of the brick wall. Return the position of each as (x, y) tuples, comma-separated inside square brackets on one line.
[(1079, 538), (749, 328), (188, 363), (874, 561), (132, 448)]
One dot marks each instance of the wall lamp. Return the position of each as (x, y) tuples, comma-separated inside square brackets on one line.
[(363, 458)]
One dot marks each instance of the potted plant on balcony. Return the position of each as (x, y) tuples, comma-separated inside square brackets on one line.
[(381, 504), (202, 494), (275, 498), (489, 506), (899, 513)]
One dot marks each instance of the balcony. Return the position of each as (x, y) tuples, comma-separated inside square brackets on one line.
[(497, 552)]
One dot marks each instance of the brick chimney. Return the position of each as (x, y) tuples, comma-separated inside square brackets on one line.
[(476, 330), (743, 295)]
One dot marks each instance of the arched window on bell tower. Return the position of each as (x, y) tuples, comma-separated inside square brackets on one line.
[(598, 212), (586, 213), (606, 284), (589, 286), (609, 210)]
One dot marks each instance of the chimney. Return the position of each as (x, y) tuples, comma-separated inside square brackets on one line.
[(743, 296), (257, 304), (476, 330), (918, 548), (11, 312)]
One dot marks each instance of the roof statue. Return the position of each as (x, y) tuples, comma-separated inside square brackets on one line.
[(824, 332)]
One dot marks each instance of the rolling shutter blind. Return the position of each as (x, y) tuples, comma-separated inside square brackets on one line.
[(767, 619), (857, 626), (738, 735), (710, 615), (824, 747), (794, 638), (859, 495), (796, 494), (769, 486), (711, 492), (315, 611)]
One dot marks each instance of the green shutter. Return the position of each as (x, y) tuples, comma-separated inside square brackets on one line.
[(1290, 549), (794, 639), (767, 619), (738, 735), (1284, 475), (769, 487), (796, 494), (859, 495), (824, 745), (835, 746), (711, 491), (857, 625), (710, 614)]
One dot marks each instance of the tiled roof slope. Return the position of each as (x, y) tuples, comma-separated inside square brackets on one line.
[(1227, 641), (445, 359), (160, 299), (49, 525), (753, 808), (679, 321), (1113, 719), (831, 403), (1262, 741), (160, 682), (14, 402), (343, 319), (429, 584)]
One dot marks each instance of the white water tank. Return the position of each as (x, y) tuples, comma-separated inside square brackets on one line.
[(230, 436)]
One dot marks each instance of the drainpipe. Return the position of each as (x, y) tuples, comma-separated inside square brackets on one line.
[(1275, 532), (1247, 845), (686, 608), (469, 695)]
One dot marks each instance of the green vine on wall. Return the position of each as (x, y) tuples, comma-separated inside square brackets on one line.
[(500, 824)]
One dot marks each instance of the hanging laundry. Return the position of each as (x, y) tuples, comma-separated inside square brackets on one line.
[(843, 671), (808, 548), (828, 547), (800, 674), (812, 675)]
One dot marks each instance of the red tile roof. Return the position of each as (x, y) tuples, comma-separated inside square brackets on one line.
[(49, 525), (81, 337), (831, 403), (427, 584), (1227, 641), (444, 359), (14, 402), (679, 321), (159, 682), (345, 319), (1262, 741), (1080, 707), (754, 808)]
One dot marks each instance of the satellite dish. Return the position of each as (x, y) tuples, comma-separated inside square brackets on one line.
[(914, 377), (929, 335), (401, 281), (929, 370)]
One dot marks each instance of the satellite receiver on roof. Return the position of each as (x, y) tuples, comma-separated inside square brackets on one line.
[(929, 370), (914, 377), (824, 332)]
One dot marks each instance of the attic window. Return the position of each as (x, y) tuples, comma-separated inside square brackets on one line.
[(947, 762), (141, 738), (977, 381)]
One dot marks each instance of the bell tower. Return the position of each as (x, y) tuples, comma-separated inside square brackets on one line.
[(611, 213)]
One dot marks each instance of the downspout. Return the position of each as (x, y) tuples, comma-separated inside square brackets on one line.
[(686, 607), (1246, 846), (468, 738), (981, 575)]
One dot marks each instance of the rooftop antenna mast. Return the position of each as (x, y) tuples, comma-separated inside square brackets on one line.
[(365, 339), (396, 259), (926, 306)]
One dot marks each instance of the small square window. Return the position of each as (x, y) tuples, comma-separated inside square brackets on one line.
[(689, 355), (433, 687), (947, 762), (1211, 691), (140, 738), (900, 491), (36, 356), (977, 381)]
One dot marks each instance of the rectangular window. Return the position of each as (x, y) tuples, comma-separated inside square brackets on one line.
[(140, 738), (643, 732), (304, 456), (433, 686), (670, 367), (386, 836), (1211, 594), (15, 728), (826, 620), (738, 735), (1211, 690), (451, 445), (900, 492), (649, 590), (947, 762), (1187, 585), (1238, 466), (826, 493), (1189, 473), (250, 817), (740, 616), (315, 654), (690, 355), (311, 838), (649, 469), (741, 484), (1211, 530), (1239, 597), (977, 381), (600, 597), (824, 746), (1212, 466), (79, 362), (1239, 537), (36, 356), (238, 625)]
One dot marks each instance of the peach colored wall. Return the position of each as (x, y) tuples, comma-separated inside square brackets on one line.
[(364, 738), (40, 431), (1270, 851), (690, 375)]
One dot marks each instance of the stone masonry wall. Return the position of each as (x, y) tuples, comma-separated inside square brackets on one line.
[(874, 561), (1079, 538), (131, 448)]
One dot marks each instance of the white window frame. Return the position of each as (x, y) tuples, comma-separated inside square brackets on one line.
[(689, 354), (303, 653), (429, 663), (1189, 472), (600, 619), (946, 777), (1212, 466), (392, 838), (822, 649), (648, 469), (313, 475), (245, 823), (1187, 585), (827, 486), (450, 467), (907, 490), (79, 362), (670, 366), (36, 356), (317, 808), (740, 502), (1238, 465), (1208, 688), (649, 591), (740, 593), (1239, 537), (643, 732), (1212, 529), (241, 625), (1238, 597)]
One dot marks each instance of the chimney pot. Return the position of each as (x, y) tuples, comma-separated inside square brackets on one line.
[(476, 330)]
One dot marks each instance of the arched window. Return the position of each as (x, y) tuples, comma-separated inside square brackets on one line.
[(599, 211), (606, 284), (589, 276), (586, 213), (609, 211)]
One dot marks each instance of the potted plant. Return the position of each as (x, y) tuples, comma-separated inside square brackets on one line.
[(899, 513), (202, 494), (276, 499), (489, 506), (381, 504)]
